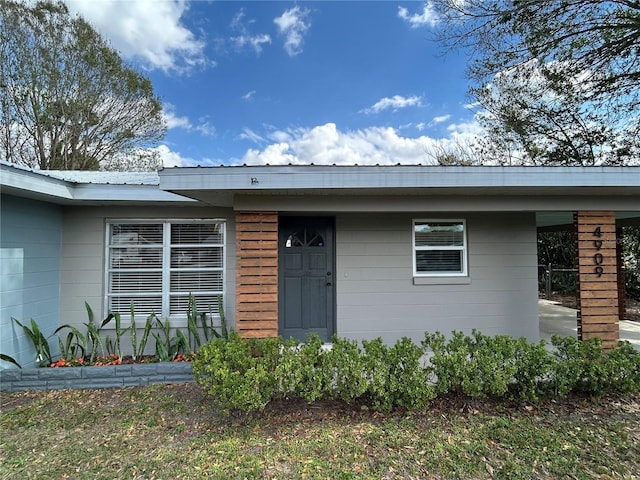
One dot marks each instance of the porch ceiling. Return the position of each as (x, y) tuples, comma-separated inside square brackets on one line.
[(550, 221)]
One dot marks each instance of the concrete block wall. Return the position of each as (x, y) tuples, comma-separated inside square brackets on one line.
[(19, 379), (30, 245)]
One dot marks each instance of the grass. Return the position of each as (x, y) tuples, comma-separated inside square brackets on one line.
[(171, 432)]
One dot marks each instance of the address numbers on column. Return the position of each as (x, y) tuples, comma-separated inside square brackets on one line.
[(598, 258)]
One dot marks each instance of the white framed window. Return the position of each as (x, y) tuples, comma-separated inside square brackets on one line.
[(439, 248), (156, 265)]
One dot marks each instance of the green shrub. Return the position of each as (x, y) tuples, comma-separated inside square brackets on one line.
[(623, 367), (476, 365), (569, 367), (238, 373), (533, 370), (586, 366), (596, 367), (246, 374), (490, 368), (448, 360), (377, 371), (395, 376), (345, 370), (301, 370), (408, 381)]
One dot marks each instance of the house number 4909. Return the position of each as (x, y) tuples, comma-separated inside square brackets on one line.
[(598, 258)]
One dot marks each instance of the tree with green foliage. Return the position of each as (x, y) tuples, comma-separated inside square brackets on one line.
[(558, 248), (631, 260), (559, 81), (67, 100)]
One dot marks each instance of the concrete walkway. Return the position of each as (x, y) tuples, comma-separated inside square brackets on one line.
[(556, 319)]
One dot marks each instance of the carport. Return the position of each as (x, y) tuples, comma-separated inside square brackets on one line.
[(556, 319), (599, 267)]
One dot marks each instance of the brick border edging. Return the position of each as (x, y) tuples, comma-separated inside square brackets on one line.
[(19, 379)]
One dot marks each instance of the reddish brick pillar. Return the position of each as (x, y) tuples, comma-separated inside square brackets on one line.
[(597, 277), (257, 274)]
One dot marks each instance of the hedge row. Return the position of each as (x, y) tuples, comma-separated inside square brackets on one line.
[(246, 374)]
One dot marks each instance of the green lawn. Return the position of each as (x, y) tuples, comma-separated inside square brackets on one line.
[(171, 432)]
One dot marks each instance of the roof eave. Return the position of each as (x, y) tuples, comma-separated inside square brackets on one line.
[(36, 185), (301, 179)]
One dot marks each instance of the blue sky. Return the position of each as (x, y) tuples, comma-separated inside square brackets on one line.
[(293, 82)]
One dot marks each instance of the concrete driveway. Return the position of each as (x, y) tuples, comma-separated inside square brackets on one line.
[(556, 319)]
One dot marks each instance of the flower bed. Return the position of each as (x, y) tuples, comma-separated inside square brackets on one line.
[(105, 376), (113, 359), (95, 359)]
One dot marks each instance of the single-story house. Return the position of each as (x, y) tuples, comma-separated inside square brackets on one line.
[(358, 251)]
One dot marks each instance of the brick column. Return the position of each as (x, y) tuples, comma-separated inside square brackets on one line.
[(257, 274), (597, 276)]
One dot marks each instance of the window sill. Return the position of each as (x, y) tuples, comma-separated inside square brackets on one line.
[(442, 280)]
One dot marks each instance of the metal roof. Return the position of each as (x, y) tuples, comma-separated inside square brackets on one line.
[(340, 188), (311, 177), (104, 178), (83, 187), (224, 185)]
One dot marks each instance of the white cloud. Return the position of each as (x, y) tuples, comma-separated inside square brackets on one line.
[(175, 121), (246, 38), (274, 154), (249, 95), (429, 16), (150, 31), (248, 134), (254, 41), (170, 158), (293, 25), (326, 145), (206, 129), (439, 119), (465, 133), (237, 22), (396, 102)]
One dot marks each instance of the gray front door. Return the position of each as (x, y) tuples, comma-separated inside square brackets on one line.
[(305, 284)]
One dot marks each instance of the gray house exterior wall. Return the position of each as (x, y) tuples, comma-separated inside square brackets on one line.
[(52, 237), (83, 255), (377, 295), (30, 247)]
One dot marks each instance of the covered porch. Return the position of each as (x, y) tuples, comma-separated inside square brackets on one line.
[(599, 270), (502, 208), (556, 319)]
